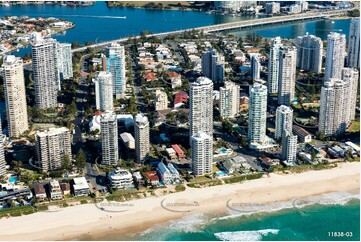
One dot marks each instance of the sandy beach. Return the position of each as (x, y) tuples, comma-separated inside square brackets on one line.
[(86, 221)]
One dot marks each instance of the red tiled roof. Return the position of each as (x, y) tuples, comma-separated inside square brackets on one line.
[(172, 74), (179, 151), (151, 175), (150, 76), (180, 97)]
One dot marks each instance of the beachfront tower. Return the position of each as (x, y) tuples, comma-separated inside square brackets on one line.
[(229, 99), (202, 153), (142, 140), (289, 147), (115, 64), (109, 136), (103, 91), (284, 118), (15, 98), (287, 75), (335, 55)]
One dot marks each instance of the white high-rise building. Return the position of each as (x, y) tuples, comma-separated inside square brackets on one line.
[(353, 59), (289, 147), (351, 76), (109, 136), (255, 67), (45, 72), (273, 7), (104, 91), (142, 142), (273, 65), (201, 107), (2, 155), (202, 153), (229, 99), (335, 55), (287, 75), (334, 109), (15, 98), (64, 61), (213, 66), (52, 146), (257, 114), (115, 64), (284, 119), (309, 53), (161, 100)]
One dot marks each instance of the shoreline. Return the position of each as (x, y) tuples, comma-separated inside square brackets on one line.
[(84, 222)]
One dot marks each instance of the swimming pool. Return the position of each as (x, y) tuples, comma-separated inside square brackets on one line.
[(222, 150), (13, 179), (221, 173)]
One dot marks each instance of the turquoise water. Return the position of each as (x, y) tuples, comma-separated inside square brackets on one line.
[(312, 222), (13, 179)]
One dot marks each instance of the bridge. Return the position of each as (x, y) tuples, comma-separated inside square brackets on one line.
[(234, 25)]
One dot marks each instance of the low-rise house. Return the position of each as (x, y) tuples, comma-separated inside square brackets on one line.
[(150, 76), (303, 135), (80, 186), (171, 153), (151, 178), (55, 190), (179, 151), (138, 179), (230, 166), (267, 162), (65, 188), (121, 179), (164, 174), (39, 191), (174, 172), (175, 78), (336, 151), (128, 140)]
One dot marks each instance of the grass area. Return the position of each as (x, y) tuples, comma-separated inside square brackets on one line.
[(237, 179), (199, 179), (355, 126), (180, 188), (215, 167), (22, 210), (303, 168), (126, 195)]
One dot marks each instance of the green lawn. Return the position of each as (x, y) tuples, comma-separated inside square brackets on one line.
[(355, 126)]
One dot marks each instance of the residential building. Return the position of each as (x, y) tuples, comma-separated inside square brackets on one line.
[(44, 72), (104, 91), (65, 188), (202, 153), (334, 111), (213, 66), (15, 98), (353, 56), (39, 191), (161, 100), (179, 151), (64, 61), (52, 146), (309, 53), (151, 178), (289, 147), (273, 7), (164, 174), (229, 99), (115, 64), (284, 119), (255, 66), (303, 135), (180, 99), (257, 114), (121, 179), (80, 186), (128, 140), (295, 8), (287, 75), (335, 55), (142, 141), (201, 107), (2, 154), (351, 76), (109, 138), (273, 65), (55, 190)]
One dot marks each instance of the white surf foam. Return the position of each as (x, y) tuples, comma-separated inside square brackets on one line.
[(253, 235)]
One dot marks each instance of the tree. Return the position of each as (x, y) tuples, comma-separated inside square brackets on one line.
[(72, 108), (80, 159), (16, 166), (66, 163), (313, 154)]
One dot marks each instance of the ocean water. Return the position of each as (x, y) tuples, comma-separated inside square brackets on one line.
[(301, 219)]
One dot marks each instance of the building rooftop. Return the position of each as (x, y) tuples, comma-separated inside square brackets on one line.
[(39, 188), (52, 131), (151, 175), (126, 137), (80, 183)]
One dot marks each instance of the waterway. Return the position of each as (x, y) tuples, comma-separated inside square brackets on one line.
[(99, 23)]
